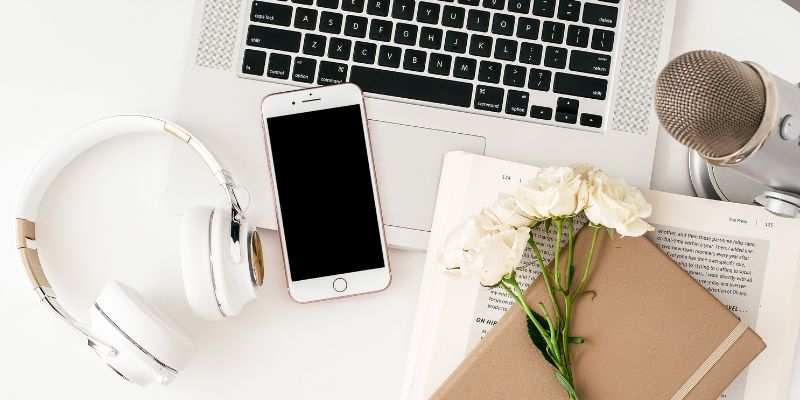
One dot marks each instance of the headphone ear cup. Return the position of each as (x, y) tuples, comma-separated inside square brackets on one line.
[(198, 276)]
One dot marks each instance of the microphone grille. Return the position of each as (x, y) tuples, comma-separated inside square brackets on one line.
[(710, 102)]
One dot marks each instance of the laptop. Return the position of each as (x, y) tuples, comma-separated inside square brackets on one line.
[(543, 82)]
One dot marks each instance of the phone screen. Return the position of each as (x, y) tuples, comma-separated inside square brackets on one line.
[(323, 179)]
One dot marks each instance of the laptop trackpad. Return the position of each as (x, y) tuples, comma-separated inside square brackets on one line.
[(408, 161)]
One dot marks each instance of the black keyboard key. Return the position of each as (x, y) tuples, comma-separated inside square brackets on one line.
[(389, 56), (581, 86), (591, 120), (364, 52), (503, 24), (566, 118), (494, 4), (505, 49), (540, 112), (272, 38), (553, 32), (271, 13), (517, 103), (378, 7), (591, 63), (380, 30), (278, 66), (569, 10), (305, 18), (514, 75), (578, 36), (455, 42), (331, 22), (428, 13), (480, 45), (567, 105), (415, 87), (304, 70), (530, 53), (603, 40), (328, 3), (314, 45), (528, 28), (355, 26), (403, 9), (306, 2), (254, 61), (598, 14), (405, 34), (453, 16), (464, 68), (414, 60), (439, 64), (430, 38), (470, 2), (539, 79), (331, 73), (356, 6), (478, 20), (544, 8), (489, 71), (555, 57), (489, 98), (611, 1), (339, 49), (519, 6)]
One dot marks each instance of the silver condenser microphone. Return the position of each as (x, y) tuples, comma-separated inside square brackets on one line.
[(738, 115)]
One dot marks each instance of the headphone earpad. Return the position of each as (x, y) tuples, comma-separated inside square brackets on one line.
[(198, 279)]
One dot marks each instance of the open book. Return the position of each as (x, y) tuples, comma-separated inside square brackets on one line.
[(747, 258)]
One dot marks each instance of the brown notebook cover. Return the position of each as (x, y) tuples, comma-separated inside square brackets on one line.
[(647, 331)]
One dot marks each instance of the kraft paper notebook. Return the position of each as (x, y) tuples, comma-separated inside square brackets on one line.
[(644, 343)]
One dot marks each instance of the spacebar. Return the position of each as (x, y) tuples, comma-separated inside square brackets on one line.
[(414, 87)]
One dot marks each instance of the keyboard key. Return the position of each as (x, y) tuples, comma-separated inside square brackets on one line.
[(566, 117), (331, 73), (494, 4), (380, 30), (304, 69), (405, 34), (489, 98), (278, 66), (339, 49), (428, 13), (567, 105), (271, 38), (519, 6), (530, 53), (489, 71), (517, 102), (544, 8), (470, 2), (581, 86), (455, 42), (254, 61), (453, 17), (603, 40), (389, 56), (305, 18), (415, 87), (464, 68), (480, 45), (271, 13), (591, 63), (328, 3), (430, 38), (356, 6), (364, 52), (540, 112), (314, 45), (306, 2), (598, 14), (569, 10), (330, 22), (539, 79), (403, 9), (505, 49), (478, 20), (439, 64), (555, 57), (514, 75), (503, 24), (553, 32), (378, 7), (578, 36), (591, 120), (528, 28), (355, 26), (414, 60)]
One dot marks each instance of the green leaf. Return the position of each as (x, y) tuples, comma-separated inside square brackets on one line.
[(547, 223), (537, 338), (566, 385), (575, 340)]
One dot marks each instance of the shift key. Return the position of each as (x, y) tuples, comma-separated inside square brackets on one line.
[(271, 38), (581, 86)]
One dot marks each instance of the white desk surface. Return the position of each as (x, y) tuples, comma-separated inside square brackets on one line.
[(65, 63)]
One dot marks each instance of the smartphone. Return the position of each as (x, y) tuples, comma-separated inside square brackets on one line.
[(326, 193)]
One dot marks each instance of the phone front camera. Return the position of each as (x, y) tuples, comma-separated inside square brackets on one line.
[(292, 103)]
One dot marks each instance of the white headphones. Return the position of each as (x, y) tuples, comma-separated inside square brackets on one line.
[(220, 254)]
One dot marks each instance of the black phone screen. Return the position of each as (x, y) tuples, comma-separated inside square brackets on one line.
[(327, 202)]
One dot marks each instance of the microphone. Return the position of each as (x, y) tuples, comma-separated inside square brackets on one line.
[(736, 114)]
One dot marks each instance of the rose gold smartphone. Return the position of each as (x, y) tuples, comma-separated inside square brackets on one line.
[(326, 194)]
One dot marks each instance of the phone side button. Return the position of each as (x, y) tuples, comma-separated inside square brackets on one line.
[(339, 285)]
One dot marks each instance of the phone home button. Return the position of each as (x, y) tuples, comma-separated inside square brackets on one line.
[(339, 285)]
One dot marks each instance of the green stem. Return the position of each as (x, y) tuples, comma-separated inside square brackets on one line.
[(536, 251), (522, 304), (586, 269), (569, 253), (565, 337), (556, 269)]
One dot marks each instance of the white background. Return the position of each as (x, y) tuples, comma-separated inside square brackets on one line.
[(67, 62)]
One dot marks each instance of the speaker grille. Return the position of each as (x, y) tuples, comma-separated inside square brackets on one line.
[(217, 41), (638, 66)]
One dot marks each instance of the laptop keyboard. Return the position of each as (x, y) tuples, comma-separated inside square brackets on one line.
[(533, 60)]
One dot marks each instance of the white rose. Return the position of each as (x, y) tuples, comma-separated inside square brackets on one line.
[(554, 192), (503, 214), (496, 255), (614, 204), (456, 250)]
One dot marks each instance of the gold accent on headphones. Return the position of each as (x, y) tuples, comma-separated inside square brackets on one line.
[(256, 258), (26, 230), (177, 132)]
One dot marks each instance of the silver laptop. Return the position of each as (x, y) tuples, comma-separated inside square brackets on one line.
[(537, 81)]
